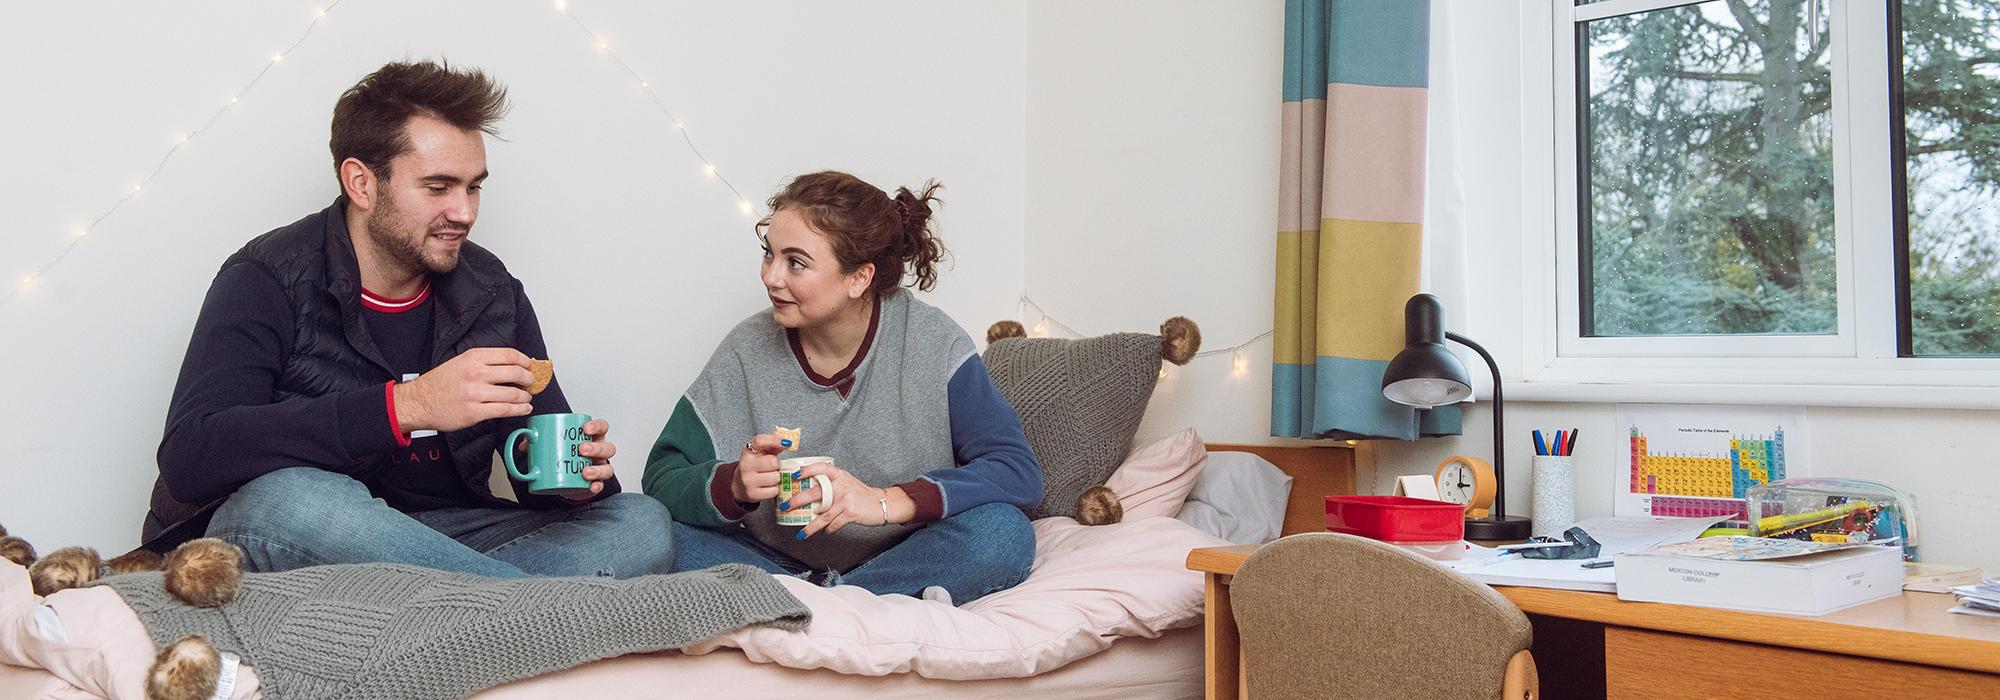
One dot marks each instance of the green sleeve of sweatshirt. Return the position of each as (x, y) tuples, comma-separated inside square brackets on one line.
[(680, 467)]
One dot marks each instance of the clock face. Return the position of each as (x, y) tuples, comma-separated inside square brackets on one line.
[(1456, 483)]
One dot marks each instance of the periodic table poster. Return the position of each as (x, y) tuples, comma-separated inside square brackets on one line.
[(1700, 461)]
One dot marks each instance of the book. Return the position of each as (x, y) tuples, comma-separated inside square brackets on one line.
[(1762, 575)]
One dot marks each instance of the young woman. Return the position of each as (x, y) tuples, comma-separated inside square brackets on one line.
[(930, 469)]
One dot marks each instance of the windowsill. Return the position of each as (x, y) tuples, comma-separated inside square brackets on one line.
[(1901, 396)]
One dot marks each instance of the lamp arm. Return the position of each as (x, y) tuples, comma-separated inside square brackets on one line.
[(1499, 465)]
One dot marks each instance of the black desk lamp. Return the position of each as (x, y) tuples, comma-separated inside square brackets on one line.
[(1426, 375)]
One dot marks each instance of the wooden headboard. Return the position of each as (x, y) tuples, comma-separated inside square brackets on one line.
[(1317, 471)]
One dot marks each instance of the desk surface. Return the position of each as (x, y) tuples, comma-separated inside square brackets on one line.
[(1913, 627)]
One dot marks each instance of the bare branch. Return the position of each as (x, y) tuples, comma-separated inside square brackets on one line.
[(1741, 10)]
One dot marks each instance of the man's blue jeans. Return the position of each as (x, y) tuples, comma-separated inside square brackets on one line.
[(305, 517), (989, 548)]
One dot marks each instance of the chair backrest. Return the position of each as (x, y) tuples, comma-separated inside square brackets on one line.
[(1325, 615)]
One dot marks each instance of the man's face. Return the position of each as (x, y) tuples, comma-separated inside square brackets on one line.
[(426, 209)]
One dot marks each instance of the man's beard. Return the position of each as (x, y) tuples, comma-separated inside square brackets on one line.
[(406, 246)]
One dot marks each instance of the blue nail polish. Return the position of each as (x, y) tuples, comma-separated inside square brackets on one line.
[(785, 506), (786, 443), (798, 475), (800, 536)]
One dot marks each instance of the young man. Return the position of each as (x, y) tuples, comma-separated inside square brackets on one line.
[(352, 374)]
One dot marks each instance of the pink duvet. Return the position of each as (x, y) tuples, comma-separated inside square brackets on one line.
[(1090, 586)]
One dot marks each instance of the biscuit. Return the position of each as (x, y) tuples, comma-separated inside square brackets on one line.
[(791, 434), (544, 371)]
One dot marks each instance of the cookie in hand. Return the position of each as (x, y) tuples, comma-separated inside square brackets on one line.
[(544, 371)]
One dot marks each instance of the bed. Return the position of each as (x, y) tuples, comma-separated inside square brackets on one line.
[(1108, 612)]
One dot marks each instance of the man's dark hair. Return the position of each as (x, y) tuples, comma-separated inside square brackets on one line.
[(369, 120)]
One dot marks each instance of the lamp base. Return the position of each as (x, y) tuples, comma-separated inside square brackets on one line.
[(1505, 527)]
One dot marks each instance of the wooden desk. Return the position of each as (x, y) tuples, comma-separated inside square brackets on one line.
[(1906, 646)]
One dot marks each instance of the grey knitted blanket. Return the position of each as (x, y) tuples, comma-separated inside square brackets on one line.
[(391, 631)]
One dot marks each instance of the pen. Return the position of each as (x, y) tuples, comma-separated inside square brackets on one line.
[(1571, 446), (1557, 449), (1541, 448), (1532, 545), (1597, 564)]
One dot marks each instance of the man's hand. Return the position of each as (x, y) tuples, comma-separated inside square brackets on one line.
[(479, 385), (757, 470), (599, 450)]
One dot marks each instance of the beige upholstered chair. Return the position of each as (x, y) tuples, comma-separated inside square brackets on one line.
[(1326, 615)]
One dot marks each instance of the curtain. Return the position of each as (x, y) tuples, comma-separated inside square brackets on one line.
[(1350, 218)]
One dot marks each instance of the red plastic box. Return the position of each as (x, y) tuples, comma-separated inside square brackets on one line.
[(1396, 518)]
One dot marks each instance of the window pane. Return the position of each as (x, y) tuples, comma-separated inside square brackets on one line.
[(1951, 140), (1708, 177)]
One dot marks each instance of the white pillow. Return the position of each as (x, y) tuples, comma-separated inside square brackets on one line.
[(1238, 497)]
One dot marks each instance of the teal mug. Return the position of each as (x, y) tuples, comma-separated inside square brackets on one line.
[(555, 462)]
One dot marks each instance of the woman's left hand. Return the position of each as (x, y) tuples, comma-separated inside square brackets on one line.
[(854, 502)]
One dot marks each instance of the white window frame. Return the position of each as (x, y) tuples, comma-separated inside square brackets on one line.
[(1857, 366)]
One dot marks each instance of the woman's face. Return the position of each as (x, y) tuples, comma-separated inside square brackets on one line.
[(803, 277)]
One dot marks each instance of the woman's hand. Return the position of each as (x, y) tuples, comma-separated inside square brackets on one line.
[(757, 470), (854, 502)]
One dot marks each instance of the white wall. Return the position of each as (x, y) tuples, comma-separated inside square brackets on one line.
[(636, 262), (1152, 189), (1152, 162)]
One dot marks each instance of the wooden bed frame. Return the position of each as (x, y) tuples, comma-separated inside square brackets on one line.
[(1317, 471)]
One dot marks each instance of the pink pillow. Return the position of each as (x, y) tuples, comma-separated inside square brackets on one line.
[(1156, 478)]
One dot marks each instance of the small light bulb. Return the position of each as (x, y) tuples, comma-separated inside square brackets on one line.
[(643, 84), (1042, 328), (82, 232), (136, 188), (562, 5), (1163, 372), (1242, 365), (27, 280), (708, 169), (321, 14), (744, 205), (603, 45), (232, 100), (276, 57), (681, 126), (1352, 443)]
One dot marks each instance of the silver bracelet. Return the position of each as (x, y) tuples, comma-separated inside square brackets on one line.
[(885, 511)]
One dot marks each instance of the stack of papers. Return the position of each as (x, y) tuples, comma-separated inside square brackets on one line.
[(1615, 535), (1981, 598)]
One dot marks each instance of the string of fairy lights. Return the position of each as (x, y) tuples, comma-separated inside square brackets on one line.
[(708, 167), (77, 237), (1239, 365)]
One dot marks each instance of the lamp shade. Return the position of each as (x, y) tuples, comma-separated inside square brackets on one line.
[(1425, 374)]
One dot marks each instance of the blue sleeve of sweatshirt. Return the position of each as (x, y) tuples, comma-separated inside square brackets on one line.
[(995, 464)]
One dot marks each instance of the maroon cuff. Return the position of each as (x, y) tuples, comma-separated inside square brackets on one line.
[(928, 499), (402, 438), (718, 493)]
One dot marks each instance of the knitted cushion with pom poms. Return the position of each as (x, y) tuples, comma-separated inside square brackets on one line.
[(1081, 400)]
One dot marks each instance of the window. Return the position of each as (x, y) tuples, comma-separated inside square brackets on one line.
[(1946, 92), (1775, 192)]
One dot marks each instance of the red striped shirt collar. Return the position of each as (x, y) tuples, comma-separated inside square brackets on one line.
[(375, 302)]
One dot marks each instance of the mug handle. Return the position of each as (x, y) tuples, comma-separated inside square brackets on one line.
[(825, 492), (507, 454)]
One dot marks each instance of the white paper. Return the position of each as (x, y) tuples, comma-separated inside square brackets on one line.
[(1613, 535), (1688, 465)]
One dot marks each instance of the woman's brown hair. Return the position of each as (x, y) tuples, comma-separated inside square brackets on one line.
[(866, 225)]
